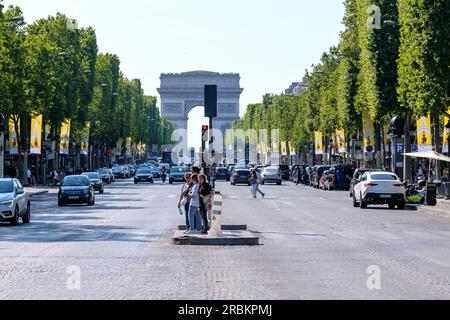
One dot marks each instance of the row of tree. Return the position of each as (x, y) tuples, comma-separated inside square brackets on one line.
[(52, 67), (392, 59)]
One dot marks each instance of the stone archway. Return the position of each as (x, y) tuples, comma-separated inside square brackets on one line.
[(181, 92)]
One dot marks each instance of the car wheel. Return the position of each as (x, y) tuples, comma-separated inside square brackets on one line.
[(27, 217), (135, 182), (15, 220), (170, 182), (391, 206), (355, 203), (363, 204), (401, 206), (60, 203), (279, 183), (102, 191)]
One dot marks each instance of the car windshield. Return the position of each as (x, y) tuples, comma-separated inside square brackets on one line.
[(271, 171), (92, 175), (103, 172), (178, 170), (6, 187), (145, 171), (76, 181), (381, 176)]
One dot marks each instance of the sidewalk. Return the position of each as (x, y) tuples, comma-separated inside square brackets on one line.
[(442, 209), (40, 190)]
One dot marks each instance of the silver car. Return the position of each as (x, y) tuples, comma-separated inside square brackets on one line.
[(272, 175), (14, 202)]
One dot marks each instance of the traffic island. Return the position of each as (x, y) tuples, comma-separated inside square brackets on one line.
[(219, 235), (228, 238)]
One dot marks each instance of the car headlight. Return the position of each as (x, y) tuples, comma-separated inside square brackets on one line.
[(9, 204), (86, 191)]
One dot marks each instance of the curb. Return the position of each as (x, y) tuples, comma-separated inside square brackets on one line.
[(38, 193)]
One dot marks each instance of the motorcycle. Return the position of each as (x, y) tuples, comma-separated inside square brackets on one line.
[(416, 192), (163, 177)]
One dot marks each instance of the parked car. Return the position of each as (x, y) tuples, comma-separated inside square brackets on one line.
[(14, 202), (285, 173), (105, 176), (165, 166), (322, 180), (156, 171), (132, 170), (272, 175), (119, 173), (331, 178), (143, 175), (126, 172), (356, 175), (76, 189), (240, 176), (379, 188), (177, 174), (96, 181), (317, 175), (223, 174), (111, 174)]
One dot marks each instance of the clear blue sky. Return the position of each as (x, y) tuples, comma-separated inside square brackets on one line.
[(269, 42)]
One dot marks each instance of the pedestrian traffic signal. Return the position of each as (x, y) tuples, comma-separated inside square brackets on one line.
[(205, 130)]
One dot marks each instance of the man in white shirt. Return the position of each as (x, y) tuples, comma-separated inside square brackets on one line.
[(258, 182)]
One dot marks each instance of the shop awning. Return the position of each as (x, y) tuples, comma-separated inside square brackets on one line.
[(428, 155)]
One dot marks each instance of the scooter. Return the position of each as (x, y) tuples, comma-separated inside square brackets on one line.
[(416, 193), (163, 177)]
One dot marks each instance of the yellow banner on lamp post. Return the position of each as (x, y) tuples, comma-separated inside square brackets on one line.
[(36, 135), (368, 133), (64, 138), (318, 142), (340, 141), (424, 136), (84, 147), (14, 136), (284, 150), (446, 133)]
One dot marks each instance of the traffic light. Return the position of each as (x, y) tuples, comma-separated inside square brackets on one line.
[(205, 130), (210, 101), (397, 126)]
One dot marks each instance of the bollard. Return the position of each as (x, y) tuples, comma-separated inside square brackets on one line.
[(216, 220)]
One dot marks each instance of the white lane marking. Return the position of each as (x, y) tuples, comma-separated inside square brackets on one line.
[(417, 254), (290, 204), (385, 235), (424, 235), (349, 235), (171, 196), (445, 234), (277, 208)]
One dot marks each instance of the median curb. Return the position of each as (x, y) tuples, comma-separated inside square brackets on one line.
[(229, 238), (38, 193)]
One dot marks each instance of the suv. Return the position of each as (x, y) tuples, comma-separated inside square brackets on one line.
[(356, 175), (285, 171), (14, 203)]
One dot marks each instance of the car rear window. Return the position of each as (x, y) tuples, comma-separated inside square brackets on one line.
[(389, 177)]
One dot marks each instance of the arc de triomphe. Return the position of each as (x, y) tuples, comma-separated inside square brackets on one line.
[(181, 92)]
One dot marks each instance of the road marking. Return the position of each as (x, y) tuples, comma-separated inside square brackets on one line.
[(171, 196), (424, 235), (349, 235), (385, 235), (277, 208)]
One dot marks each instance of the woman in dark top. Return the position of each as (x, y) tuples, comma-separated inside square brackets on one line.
[(205, 201)]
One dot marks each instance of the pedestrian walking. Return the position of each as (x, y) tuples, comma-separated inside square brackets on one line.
[(195, 219), (205, 201), (253, 180), (259, 180), (55, 177), (184, 200)]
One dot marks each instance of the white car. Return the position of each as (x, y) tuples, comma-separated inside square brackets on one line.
[(379, 188), (14, 202)]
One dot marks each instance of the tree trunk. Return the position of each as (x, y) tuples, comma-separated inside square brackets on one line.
[(407, 171)]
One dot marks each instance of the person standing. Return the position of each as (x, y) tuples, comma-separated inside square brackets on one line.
[(195, 219), (184, 200), (205, 201), (253, 180), (55, 177), (29, 177), (341, 179)]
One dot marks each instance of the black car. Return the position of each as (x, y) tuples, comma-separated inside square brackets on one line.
[(118, 173), (105, 176), (95, 180), (331, 180), (240, 176), (143, 175), (285, 172), (177, 174), (223, 174), (317, 174), (76, 189)]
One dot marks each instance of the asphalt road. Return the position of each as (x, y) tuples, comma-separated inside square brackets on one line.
[(314, 245)]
